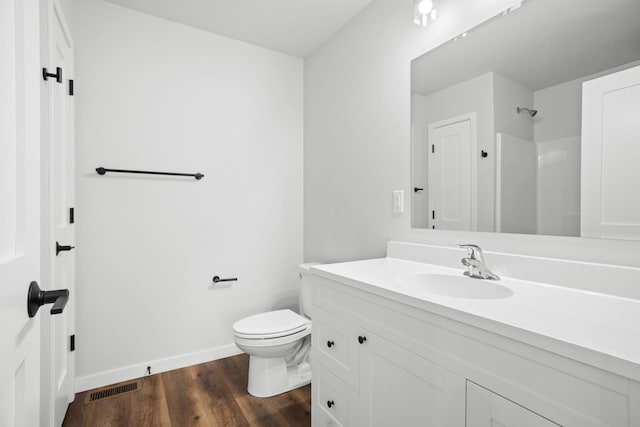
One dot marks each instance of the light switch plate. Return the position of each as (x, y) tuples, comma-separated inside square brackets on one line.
[(398, 201)]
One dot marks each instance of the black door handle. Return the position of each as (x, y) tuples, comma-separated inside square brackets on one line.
[(36, 298), (62, 248), (417, 189)]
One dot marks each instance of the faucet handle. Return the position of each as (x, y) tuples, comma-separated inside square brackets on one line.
[(475, 252)]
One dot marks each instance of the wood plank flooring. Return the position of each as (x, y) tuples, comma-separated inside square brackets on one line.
[(209, 394)]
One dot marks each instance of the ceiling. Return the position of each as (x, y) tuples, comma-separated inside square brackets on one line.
[(541, 44), (295, 27)]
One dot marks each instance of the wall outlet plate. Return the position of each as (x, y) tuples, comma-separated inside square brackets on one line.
[(398, 201)]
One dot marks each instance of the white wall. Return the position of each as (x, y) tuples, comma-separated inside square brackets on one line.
[(357, 124), (155, 95), (508, 95), (515, 184), (357, 140)]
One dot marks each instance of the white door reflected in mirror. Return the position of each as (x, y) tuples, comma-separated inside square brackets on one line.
[(449, 165)]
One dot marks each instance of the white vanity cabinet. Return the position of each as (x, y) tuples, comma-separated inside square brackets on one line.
[(379, 361), (361, 378)]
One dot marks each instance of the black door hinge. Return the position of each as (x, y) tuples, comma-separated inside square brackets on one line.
[(71, 91), (58, 75), (433, 214), (72, 342), (433, 148), (72, 215)]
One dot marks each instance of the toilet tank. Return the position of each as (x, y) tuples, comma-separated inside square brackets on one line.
[(305, 289)]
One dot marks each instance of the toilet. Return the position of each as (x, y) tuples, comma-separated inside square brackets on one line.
[(278, 344)]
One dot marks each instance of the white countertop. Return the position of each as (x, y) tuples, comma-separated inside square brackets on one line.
[(597, 329)]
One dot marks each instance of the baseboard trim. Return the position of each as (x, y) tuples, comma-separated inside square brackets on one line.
[(159, 365)]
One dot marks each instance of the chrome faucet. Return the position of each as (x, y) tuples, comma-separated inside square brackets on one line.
[(475, 263)]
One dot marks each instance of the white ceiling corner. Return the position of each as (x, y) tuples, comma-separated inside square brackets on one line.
[(294, 27)]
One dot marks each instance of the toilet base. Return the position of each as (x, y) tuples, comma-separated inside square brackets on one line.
[(271, 376)]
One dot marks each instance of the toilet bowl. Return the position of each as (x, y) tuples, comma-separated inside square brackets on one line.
[(278, 344)]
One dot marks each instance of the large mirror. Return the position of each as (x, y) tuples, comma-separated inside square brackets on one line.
[(497, 118)]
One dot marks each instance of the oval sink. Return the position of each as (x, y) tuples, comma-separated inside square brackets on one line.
[(453, 286)]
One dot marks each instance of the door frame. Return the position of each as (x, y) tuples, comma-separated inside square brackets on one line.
[(472, 117), (50, 10), (419, 208)]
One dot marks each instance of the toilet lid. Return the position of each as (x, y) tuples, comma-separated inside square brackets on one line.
[(272, 323)]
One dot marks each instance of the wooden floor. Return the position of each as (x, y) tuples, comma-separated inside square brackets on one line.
[(210, 394)]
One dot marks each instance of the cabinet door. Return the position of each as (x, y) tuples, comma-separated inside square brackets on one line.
[(487, 409), (335, 345), (399, 388), (610, 200)]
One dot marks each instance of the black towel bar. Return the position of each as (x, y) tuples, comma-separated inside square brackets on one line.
[(102, 171)]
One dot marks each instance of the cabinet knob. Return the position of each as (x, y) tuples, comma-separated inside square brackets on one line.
[(362, 339), (330, 344), (330, 403)]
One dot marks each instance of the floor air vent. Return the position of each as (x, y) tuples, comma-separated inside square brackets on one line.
[(112, 391)]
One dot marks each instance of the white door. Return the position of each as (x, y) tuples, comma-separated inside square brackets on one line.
[(399, 388), (610, 200), (19, 211), (487, 409), (450, 169), (60, 266)]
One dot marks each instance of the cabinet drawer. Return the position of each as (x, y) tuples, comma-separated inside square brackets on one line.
[(335, 345), (334, 403), (331, 296)]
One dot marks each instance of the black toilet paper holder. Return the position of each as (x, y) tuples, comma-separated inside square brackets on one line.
[(217, 279)]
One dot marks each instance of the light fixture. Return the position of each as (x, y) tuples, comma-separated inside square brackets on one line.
[(423, 10)]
